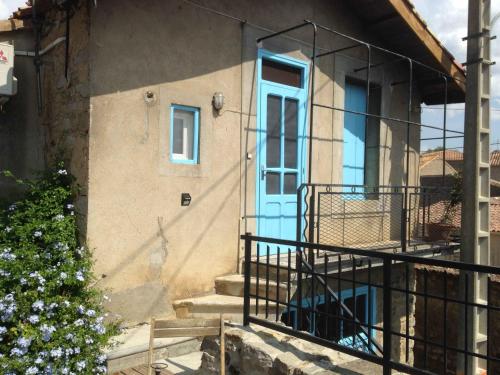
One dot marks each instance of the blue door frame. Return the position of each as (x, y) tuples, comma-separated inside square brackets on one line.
[(276, 204)]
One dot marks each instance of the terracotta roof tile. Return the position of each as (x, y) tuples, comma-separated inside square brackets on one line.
[(495, 158)]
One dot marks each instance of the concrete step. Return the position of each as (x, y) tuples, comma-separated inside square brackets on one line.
[(233, 285), (131, 348), (272, 270), (213, 305)]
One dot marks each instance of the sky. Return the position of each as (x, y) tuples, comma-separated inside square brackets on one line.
[(8, 6), (448, 21)]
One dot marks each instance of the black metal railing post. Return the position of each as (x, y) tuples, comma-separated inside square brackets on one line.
[(246, 285), (312, 213), (387, 316), (404, 218)]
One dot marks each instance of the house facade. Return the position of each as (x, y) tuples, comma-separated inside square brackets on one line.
[(185, 133)]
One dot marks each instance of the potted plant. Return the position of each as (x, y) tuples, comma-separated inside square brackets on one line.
[(442, 229)]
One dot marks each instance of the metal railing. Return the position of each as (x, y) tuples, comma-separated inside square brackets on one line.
[(396, 310), (381, 217)]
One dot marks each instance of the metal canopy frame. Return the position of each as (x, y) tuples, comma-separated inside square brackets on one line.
[(369, 66)]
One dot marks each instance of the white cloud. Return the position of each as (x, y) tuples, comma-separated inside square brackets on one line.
[(8, 6)]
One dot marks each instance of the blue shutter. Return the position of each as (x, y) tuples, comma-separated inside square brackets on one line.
[(354, 135)]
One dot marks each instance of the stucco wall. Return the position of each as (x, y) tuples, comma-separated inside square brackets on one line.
[(21, 137), (149, 249)]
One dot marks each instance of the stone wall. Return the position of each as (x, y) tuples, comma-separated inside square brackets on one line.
[(437, 282), (255, 350), (65, 101)]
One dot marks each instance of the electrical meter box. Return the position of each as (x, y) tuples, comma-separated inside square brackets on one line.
[(8, 83)]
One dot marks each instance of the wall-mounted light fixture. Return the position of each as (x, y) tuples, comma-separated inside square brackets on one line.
[(218, 101), (185, 199)]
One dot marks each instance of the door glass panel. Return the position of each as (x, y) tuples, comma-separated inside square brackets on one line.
[(281, 73), (290, 183), (273, 149), (272, 183), (291, 133)]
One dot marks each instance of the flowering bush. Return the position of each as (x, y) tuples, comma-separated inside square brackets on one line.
[(51, 318)]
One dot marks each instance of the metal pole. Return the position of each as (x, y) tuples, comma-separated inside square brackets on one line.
[(444, 125), (387, 315), (368, 73), (407, 177), (311, 115)]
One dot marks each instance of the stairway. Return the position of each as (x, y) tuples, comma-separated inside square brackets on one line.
[(228, 300)]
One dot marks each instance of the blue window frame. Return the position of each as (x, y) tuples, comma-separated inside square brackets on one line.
[(184, 134), (338, 330)]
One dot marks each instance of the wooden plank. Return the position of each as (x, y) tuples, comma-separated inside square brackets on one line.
[(151, 345), (186, 332), (186, 323), (432, 44), (222, 346)]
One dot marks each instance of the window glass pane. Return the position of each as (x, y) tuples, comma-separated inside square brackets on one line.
[(272, 183), (281, 73), (178, 135), (290, 183), (291, 133), (273, 149), (183, 134)]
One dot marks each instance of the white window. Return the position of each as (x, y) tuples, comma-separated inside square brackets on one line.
[(184, 134)]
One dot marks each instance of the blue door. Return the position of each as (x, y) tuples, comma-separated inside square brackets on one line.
[(281, 130), (354, 135)]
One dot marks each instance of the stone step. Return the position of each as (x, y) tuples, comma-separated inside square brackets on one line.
[(213, 305), (233, 285)]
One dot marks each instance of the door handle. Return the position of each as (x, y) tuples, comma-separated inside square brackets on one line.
[(263, 172)]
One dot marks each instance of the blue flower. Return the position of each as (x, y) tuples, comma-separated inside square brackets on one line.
[(32, 370), (33, 319), (80, 365), (79, 276), (16, 352), (47, 332), (38, 305), (79, 322), (56, 353), (38, 234), (91, 313), (23, 342), (59, 217)]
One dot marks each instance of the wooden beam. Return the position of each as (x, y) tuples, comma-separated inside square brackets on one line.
[(429, 41), (13, 25)]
